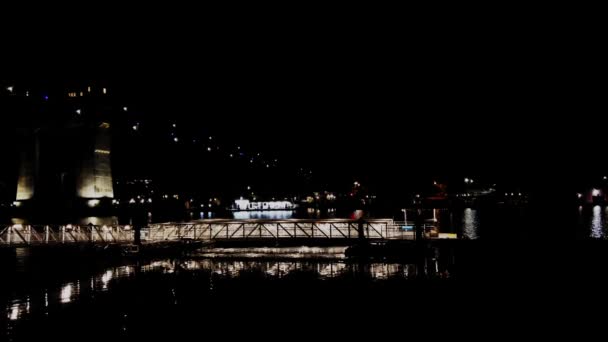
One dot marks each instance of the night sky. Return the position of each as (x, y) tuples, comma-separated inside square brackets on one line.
[(384, 103)]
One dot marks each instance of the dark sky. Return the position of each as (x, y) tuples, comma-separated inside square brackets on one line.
[(377, 97)]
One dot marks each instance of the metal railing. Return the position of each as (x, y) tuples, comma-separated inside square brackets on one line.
[(209, 230), (16, 235)]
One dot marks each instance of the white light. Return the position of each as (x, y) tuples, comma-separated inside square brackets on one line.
[(132, 201), (149, 200), (93, 203), (466, 180), (175, 139), (210, 138), (238, 148), (579, 195), (135, 127), (605, 177), (10, 88), (251, 161), (174, 125), (231, 155), (14, 315), (66, 294), (519, 194), (209, 149), (596, 192), (267, 166), (78, 111), (124, 108), (27, 93), (104, 90)]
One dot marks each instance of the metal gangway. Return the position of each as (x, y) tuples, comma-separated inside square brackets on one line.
[(209, 230), (24, 235), (221, 229)]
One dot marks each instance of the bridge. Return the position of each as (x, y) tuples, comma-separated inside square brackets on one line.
[(205, 230)]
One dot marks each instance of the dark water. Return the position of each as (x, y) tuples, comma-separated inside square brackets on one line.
[(306, 293), (66, 298)]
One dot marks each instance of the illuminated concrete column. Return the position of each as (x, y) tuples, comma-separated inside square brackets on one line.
[(95, 176), (28, 166)]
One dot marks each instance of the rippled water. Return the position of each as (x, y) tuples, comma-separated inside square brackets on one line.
[(124, 299)]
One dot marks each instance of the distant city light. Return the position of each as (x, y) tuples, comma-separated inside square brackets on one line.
[(605, 177), (209, 149), (104, 90), (135, 127), (46, 97), (175, 139), (10, 88), (78, 111), (231, 155), (93, 203), (595, 192), (132, 201), (124, 109), (579, 195), (174, 125)]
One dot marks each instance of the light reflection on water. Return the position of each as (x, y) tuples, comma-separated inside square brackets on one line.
[(598, 222), (51, 299), (470, 224)]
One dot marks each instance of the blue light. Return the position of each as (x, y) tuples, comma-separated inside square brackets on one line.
[(46, 97)]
